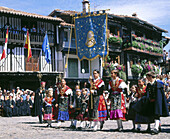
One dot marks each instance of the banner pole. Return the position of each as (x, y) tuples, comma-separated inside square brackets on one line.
[(91, 85), (90, 69)]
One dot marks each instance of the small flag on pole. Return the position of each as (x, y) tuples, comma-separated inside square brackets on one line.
[(4, 53), (46, 49), (28, 46)]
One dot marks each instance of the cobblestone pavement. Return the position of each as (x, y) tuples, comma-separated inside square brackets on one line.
[(28, 128)]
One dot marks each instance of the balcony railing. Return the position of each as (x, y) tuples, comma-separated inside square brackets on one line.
[(145, 45), (17, 36)]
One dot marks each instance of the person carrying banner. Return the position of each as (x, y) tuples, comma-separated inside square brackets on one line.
[(97, 105)]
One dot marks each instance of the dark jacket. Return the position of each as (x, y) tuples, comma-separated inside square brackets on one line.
[(21, 107), (156, 108), (38, 102), (7, 107)]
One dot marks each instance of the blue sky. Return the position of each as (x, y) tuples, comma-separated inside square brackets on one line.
[(156, 12)]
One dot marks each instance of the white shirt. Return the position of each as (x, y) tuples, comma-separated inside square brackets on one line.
[(122, 84)]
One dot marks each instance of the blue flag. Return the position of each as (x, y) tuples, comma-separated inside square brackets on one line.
[(46, 49), (91, 39)]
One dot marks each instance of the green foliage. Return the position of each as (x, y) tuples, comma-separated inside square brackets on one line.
[(135, 44), (126, 45), (136, 69), (156, 69), (160, 51), (122, 75), (142, 46), (115, 39), (108, 58), (147, 44), (155, 49)]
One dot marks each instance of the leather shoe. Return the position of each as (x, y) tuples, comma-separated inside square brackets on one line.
[(101, 126), (155, 131), (119, 129), (138, 129)]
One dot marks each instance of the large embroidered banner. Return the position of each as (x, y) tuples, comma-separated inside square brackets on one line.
[(91, 37)]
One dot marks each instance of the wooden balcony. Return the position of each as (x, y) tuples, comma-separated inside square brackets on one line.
[(17, 37), (142, 51)]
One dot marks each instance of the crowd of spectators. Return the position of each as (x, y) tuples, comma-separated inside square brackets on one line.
[(17, 102), (32, 29)]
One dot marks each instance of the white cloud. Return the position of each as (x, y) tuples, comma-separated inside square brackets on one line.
[(153, 11), (156, 12)]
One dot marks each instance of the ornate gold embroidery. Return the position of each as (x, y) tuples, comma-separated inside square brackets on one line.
[(95, 84), (90, 42), (115, 85)]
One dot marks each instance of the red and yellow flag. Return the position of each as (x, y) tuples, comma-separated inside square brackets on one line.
[(4, 53), (28, 46)]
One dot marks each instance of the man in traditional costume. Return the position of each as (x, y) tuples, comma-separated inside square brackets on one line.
[(118, 109), (64, 102), (97, 105), (38, 101), (154, 104)]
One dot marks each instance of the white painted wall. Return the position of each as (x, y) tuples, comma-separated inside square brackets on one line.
[(18, 60)]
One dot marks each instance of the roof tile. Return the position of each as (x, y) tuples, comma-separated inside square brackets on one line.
[(16, 12)]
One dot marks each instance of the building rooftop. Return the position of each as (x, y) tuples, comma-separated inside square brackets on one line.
[(21, 13), (64, 12), (134, 18)]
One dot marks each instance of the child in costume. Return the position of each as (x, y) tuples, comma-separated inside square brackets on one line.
[(48, 102)]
